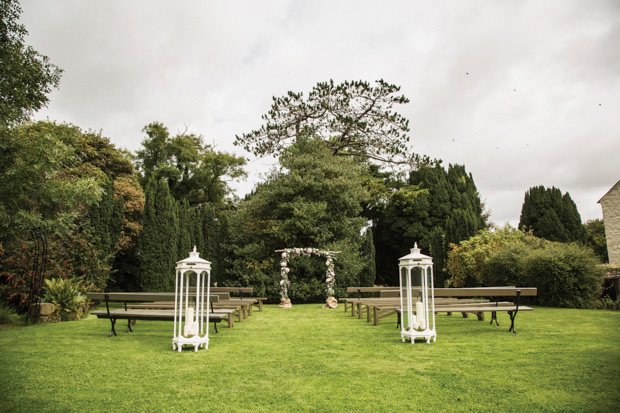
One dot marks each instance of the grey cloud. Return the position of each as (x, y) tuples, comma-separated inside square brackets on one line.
[(521, 93)]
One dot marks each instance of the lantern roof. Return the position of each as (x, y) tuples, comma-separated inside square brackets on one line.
[(415, 257), (194, 261)]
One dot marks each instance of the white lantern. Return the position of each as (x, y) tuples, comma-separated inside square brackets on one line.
[(417, 301), (191, 302)]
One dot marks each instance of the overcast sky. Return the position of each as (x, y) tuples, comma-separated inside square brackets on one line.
[(523, 93)]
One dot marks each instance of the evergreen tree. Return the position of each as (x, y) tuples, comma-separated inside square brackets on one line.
[(158, 239), (435, 208), (551, 215), (367, 253), (106, 222), (186, 238)]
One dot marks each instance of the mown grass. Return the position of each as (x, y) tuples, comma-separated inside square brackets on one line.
[(310, 359)]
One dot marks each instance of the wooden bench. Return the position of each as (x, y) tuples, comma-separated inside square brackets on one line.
[(165, 305), (353, 302), (144, 314), (512, 311), (382, 308), (379, 310), (257, 301), (240, 308)]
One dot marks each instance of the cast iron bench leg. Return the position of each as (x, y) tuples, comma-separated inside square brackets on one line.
[(494, 313), (113, 330), (514, 315), (112, 319), (128, 329), (512, 321)]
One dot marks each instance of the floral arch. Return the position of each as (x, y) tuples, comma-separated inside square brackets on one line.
[(330, 275)]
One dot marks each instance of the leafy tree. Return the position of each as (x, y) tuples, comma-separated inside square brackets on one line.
[(314, 201), (352, 119), (159, 238), (595, 238), (59, 182), (551, 215), (126, 262), (194, 171), (26, 76), (41, 189)]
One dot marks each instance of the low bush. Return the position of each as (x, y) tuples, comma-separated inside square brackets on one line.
[(8, 315), (606, 303), (67, 294)]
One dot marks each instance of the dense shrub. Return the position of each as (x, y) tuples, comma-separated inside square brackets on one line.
[(505, 266), (566, 275), (467, 261), (67, 258)]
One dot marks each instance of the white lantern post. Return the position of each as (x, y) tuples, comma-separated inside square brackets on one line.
[(417, 298), (191, 302)]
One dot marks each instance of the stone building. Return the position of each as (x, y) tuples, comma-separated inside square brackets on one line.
[(610, 202)]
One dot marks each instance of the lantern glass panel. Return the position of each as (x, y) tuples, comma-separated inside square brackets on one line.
[(405, 294), (417, 281), (429, 277)]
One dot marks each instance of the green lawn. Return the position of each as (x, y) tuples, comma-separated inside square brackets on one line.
[(310, 359)]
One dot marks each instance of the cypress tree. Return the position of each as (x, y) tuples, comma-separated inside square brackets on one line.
[(106, 220), (551, 215), (437, 208), (159, 238), (186, 221), (196, 230), (367, 253)]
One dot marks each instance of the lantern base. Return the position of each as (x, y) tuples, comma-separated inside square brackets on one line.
[(196, 341), (427, 335)]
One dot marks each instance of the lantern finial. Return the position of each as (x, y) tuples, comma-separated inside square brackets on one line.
[(415, 249)]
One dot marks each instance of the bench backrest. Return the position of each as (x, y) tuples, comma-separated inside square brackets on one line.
[(222, 296), (139, 296), (507, 291)]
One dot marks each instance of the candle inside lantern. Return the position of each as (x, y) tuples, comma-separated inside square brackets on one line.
[(190, 325), (419, 310)]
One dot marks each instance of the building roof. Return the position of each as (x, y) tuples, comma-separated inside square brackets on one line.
[(613, 188)]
